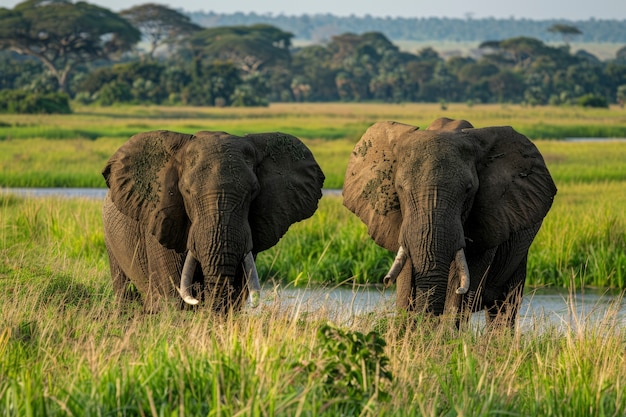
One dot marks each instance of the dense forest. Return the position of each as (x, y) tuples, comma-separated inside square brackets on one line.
[(322, 27), (52, 52)]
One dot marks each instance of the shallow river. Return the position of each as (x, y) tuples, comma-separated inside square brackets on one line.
[(540, 307), (546, 307)]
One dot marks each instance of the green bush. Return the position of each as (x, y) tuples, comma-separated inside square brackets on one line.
[(21, 101), (593, 100), (353, 367)]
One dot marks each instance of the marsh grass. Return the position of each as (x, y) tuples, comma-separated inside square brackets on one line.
[(71, 150), (85, 358), (66, 348)]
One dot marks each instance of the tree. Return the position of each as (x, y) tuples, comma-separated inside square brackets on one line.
[(63, 35), (250, 48), (159, 24), (567, 32)]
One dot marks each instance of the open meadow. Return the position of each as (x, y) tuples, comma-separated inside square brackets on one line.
[(65, 349)]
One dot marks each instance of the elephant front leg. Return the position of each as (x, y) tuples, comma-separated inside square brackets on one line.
[(163, 276), (122, 288), (504, 311)]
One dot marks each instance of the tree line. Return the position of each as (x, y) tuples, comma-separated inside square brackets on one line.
[(152, 54), (321, 27)]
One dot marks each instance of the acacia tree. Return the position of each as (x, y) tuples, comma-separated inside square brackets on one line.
[(567, 32), (250, 48), (159, 24), (63, 35)]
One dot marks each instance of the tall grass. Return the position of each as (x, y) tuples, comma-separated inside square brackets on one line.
[(65, 349)]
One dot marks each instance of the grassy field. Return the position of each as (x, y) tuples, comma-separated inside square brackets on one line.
[(65, 349), (32, 153)]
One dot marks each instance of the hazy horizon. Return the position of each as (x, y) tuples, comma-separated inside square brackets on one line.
[(477, 9)]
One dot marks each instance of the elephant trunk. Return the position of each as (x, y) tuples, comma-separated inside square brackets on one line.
[(460, 264), (435, 245), (250, 273)]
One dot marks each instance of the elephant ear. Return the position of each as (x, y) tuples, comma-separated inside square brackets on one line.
[(516, 189), (142, 176), (369, 190), (290, 186)]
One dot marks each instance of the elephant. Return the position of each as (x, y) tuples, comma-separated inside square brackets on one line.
[(460, 207), (188, 213)]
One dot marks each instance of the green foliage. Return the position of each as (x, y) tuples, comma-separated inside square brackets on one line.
[(159, 24), (63, 34), (353, 368), (19, 101), (593, 100), (350, 67)]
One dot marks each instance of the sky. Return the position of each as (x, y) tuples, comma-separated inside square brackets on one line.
[(519, 9)]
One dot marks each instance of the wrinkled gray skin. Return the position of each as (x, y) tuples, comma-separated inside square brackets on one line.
[(217, 195), (451, 187)]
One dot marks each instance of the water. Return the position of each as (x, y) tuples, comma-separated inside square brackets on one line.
[(556, 307), (543, 307), (95, 193)]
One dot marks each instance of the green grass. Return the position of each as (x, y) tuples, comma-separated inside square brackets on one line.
[(71, 150), (65, 349)]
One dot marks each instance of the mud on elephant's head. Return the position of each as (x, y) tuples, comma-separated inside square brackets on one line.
[(218, 198), (437, 195)]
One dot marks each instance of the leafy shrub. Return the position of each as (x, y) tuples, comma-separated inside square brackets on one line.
[(114, 92), (593, 100), (20, 101), (353, 367)]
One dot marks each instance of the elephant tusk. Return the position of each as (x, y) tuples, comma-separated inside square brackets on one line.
[(252, 279), (463, 269), (396, 267), (186, 279)]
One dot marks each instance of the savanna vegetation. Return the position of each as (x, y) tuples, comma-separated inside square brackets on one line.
[(93, 56), (65, 348)]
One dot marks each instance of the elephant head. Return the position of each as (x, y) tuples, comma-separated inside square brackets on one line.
[(212, 199), (459, 205)]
